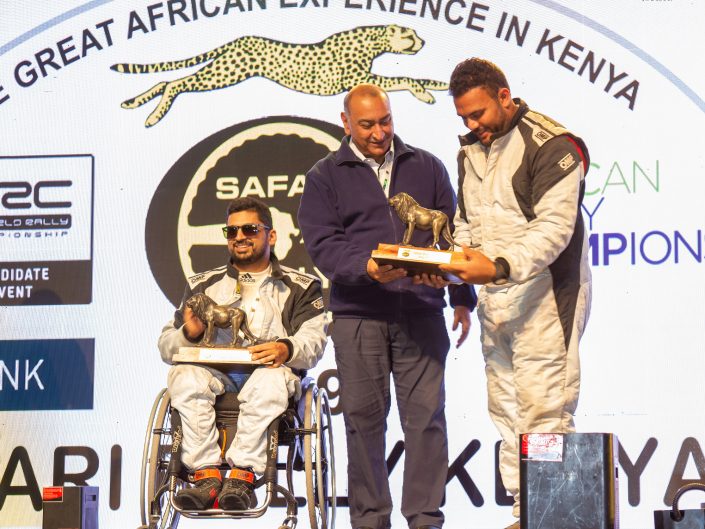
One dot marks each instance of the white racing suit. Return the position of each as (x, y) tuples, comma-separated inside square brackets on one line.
[(520, 200), (294, 314)]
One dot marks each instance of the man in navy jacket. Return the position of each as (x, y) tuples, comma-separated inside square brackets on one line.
[(384, 322)]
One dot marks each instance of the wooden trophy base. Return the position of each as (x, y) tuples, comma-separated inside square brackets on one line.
[(417, 261)]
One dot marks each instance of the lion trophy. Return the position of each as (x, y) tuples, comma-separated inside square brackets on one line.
[(220, 316), (415, 216)]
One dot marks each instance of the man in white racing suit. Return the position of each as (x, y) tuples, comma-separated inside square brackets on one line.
[(285, 310), (520, 188)]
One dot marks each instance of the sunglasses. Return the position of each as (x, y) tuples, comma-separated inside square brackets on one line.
[(248, 230)]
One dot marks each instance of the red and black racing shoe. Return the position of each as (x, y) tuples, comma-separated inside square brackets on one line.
[(238, 491), (202, 495)]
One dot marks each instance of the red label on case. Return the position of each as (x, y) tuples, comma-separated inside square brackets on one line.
[(542, 446), (53, 494)]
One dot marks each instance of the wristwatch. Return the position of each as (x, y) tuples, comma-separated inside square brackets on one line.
[(501, 270)]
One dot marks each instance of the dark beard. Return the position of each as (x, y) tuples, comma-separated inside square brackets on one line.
[(254, 256)]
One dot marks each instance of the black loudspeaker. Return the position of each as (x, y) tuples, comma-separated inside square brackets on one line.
[(569, 481), (70, 508)]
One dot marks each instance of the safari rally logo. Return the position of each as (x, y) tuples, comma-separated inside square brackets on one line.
[(330, 67), (265, 158)]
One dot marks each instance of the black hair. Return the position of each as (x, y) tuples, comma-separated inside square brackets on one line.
[(475, 72), (251, 204)]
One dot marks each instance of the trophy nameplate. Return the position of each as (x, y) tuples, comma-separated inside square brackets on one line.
[(417, 261), (223, 358)]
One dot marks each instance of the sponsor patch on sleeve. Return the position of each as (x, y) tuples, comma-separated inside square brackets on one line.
[(304, 281), (567, 162), (317, 304), (542, 136), (196, 278)]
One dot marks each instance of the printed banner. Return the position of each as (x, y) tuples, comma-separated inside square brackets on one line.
[(127, 126)]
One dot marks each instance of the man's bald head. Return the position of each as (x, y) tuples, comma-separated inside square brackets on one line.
[(364, 90)]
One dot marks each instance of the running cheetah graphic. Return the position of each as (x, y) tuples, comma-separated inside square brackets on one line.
[(332, 66)]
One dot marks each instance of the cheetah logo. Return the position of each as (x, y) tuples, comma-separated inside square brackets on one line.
[(330, 67)]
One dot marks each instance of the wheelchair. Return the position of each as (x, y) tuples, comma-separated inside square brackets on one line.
[(304, 428)]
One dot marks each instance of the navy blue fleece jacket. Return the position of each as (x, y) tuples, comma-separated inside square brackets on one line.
[(344, 214)]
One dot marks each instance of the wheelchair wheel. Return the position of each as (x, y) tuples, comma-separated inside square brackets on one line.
[(319, 460), (154, 475)]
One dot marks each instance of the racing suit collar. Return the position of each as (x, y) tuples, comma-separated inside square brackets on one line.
[(276, 268)]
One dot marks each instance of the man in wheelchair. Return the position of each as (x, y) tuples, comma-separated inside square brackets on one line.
[(285, 310)]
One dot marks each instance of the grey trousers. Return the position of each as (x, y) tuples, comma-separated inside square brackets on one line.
[(414, 352)]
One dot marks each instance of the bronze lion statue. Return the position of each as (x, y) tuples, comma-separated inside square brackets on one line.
[(220, 316), (415, 216)]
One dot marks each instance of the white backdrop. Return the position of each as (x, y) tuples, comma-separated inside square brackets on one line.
[(641, 115)]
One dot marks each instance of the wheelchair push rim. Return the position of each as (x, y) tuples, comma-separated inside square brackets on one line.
[(154, 474), (319, 460)]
